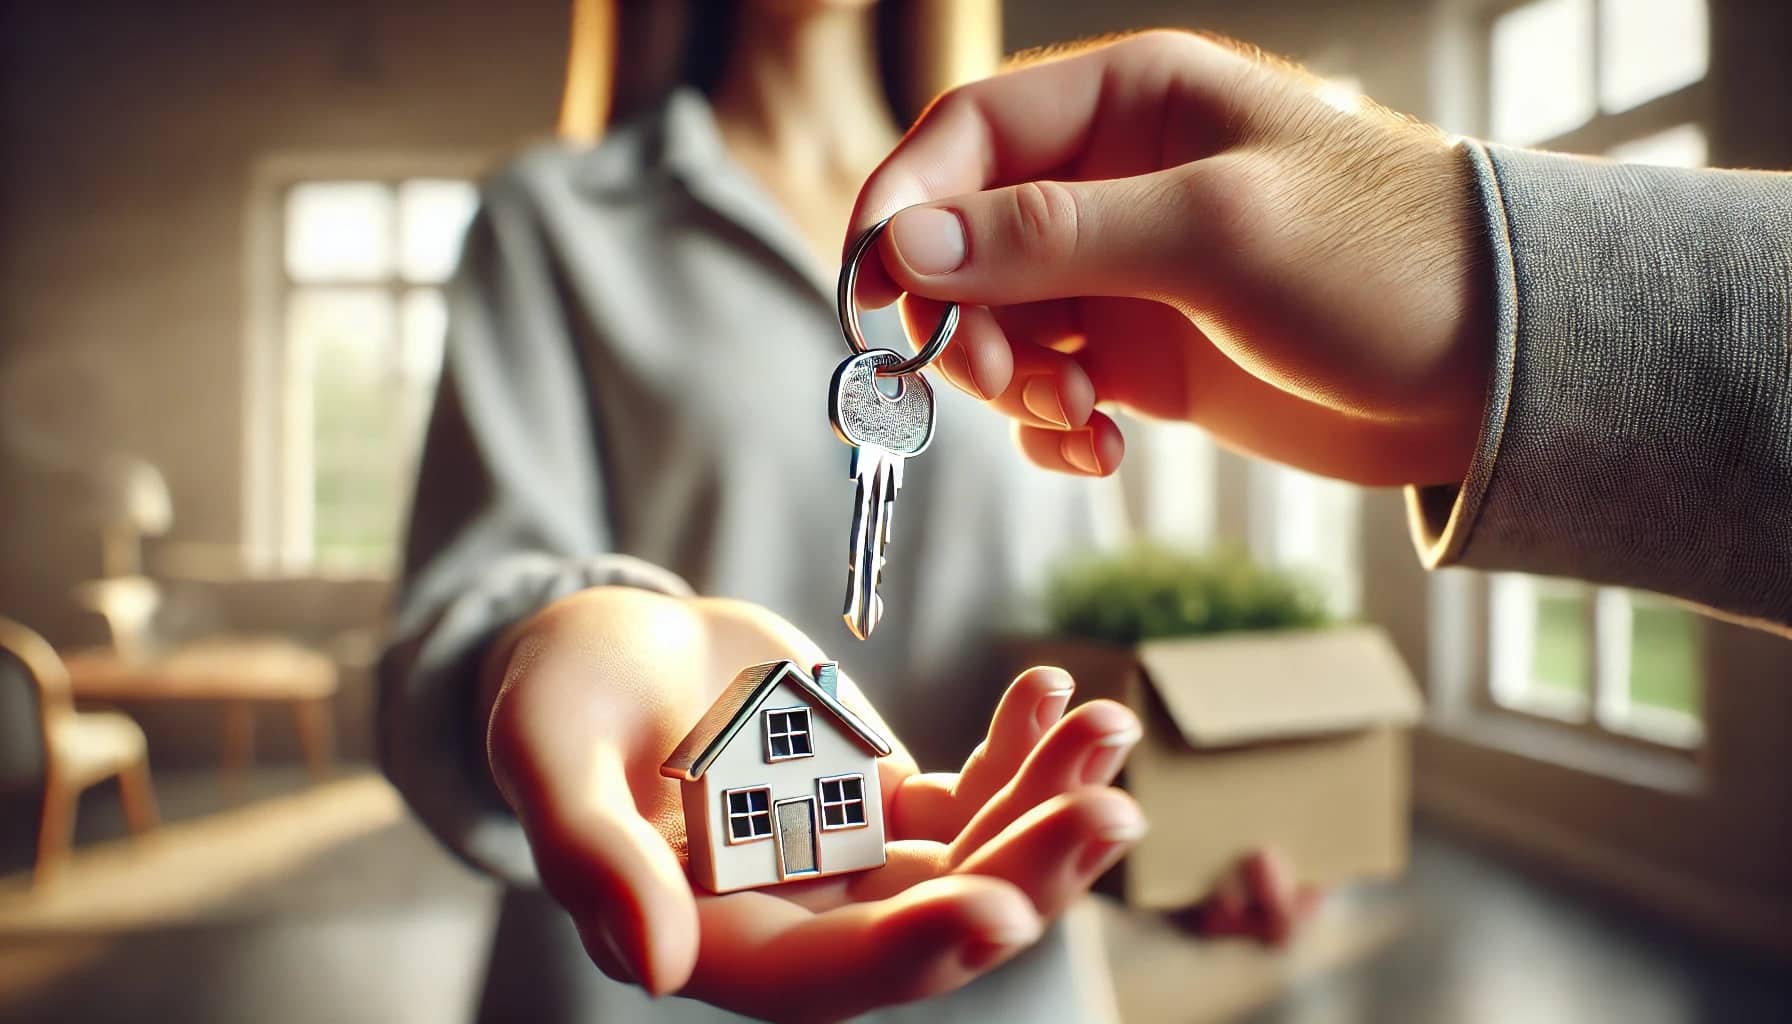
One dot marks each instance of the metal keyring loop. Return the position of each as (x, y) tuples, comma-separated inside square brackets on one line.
[(849, 312)]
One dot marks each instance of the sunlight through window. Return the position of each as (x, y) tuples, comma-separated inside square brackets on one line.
[(1648, 48), (364, 327), (1542, 57)]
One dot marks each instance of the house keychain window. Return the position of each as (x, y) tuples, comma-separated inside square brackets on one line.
[(787, 734), (749, 815), (843, 802)]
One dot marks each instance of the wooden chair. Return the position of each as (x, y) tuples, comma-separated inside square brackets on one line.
[(81, 748)]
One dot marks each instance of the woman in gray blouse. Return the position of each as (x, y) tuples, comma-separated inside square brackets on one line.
[(632, 413)]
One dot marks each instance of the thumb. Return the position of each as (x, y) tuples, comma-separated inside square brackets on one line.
[(1043, 240), (612, 870)]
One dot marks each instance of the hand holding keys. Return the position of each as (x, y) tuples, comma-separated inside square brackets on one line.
[(884, 428)]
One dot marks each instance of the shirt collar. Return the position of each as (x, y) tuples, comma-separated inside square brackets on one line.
[(680, 141), (695, 154)]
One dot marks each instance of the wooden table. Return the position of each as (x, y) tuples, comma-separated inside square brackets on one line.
[(237, 674)]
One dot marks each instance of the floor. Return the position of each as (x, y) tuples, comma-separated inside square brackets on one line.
[(285, 902), (274, 902), (1484, 944)]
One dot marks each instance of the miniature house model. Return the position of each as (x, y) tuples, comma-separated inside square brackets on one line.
[(779, 782)]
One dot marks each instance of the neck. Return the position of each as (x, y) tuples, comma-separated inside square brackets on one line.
[(803, 90)]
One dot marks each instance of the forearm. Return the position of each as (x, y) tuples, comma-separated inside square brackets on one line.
[(1638, 429)]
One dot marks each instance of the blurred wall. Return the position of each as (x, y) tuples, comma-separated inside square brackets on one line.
[(132, 133)]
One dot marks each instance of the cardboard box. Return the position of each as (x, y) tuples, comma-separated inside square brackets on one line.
[(1293, 740)]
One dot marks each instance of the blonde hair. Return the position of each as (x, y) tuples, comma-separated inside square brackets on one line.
[(943, 43)]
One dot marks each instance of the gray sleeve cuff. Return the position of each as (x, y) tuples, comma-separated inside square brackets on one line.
[(429, 742), (1638, 428), (1443, 517)]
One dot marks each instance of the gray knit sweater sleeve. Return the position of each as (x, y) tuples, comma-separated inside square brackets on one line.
[(1639, 423)]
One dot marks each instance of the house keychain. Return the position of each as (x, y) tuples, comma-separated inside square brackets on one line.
[(779, 782), (883, 430), (779, 779)]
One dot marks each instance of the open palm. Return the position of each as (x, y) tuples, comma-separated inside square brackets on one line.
[(977, 861)]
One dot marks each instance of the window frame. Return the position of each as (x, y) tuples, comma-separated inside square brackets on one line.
[(822, 803), (276, 500), (1605, 129), (729, 815), (807, 733), (1607, 714), (1607, 711)]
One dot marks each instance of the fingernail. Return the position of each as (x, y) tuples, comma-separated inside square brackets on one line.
[(1040, 396), (624, 966), (1103, 763), (1051, 707), (1108, 846), (1078, 449), (930, 241)]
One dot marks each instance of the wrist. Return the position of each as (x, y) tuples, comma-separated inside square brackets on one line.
[(535, 652)]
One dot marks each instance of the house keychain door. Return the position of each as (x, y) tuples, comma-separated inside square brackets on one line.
[(796, 838)]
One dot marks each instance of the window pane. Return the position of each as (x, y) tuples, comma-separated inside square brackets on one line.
[(345, 338), (1677, 147), (1539, 645), (1308, 524), (1560, 661), (339, 230), (423, 327), (1542, 68), (432, 216), (1664, 656), (1649, 48)]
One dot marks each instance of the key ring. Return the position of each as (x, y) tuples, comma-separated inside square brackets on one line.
[(849, 312)]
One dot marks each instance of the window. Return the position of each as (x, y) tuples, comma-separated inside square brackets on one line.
[(360, 324), (1309, 525), (842, 802), (1623, 79), (787, 734), (749, 814), (1591, 76)]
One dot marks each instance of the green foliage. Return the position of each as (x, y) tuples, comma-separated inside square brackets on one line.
[(1149, 591)]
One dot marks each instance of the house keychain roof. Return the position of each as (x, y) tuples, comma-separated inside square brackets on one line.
[(736, 705)]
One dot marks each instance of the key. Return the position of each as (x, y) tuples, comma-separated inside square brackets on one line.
[(883, 431)]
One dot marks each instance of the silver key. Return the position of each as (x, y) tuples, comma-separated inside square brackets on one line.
[(883, 432)]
